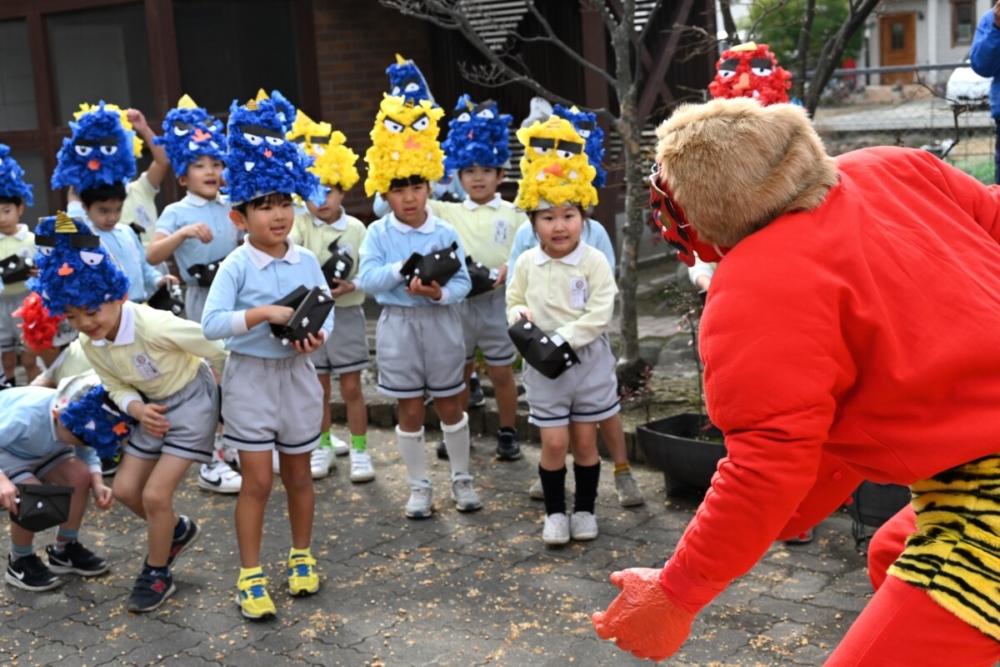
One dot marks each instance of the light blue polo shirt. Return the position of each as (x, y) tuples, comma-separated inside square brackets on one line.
[(28, 428), (191, 210)]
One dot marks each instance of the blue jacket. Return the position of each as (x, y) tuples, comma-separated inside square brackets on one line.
[(985, 57)]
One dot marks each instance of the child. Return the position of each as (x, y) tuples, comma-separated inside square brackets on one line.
[(53, 340), (97, 161), (271, 398), (419, 341), (15, 240), (595, 236), (567, 290), (197, 230), (44, 438), (346, 352), (151, 364), (477, 148)]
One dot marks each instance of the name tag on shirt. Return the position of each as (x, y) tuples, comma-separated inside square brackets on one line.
[(578, 292), (145, 367), (500, 228)]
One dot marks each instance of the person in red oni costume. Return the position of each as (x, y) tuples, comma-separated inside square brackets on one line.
[(751, 70), (850, 333)]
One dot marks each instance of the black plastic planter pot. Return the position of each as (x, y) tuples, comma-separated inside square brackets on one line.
[(687, 463)]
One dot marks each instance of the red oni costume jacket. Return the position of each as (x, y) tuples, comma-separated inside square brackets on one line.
[(858, 339)]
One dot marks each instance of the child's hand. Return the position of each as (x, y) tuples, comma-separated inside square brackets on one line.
[(501, 276), (279, 314), (523, 314), (310, 344), (417, 288), (199, 231), (168, 278), (103, 497), (138, 120), (33, 272), (150, 415), (342, 288), (8, 495)]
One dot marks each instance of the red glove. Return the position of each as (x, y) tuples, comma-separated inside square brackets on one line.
[(642, 619)]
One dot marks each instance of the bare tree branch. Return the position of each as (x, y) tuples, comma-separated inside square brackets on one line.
[(563, 46), (601, 7), (833, 49), (650, 19), (727, 21), (803, 48)]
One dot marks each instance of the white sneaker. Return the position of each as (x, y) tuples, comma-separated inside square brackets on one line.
[(361, 466), (230, 454), (556, 529), (536, 492), (220, 478), (583, 526), (275, 462), (340, 448), (320, 461), (464, 494), (419, 506)]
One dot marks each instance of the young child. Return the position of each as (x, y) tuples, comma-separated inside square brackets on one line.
[(419, 342), (151, 364), (567, 290), (45, 437), (322, 229), (595, 236), (197, 230), (477, 149), (54, 342), (97, 161), (270, 396), (17, 241)]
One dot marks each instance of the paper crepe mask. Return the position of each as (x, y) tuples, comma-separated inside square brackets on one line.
[(122, 116), (407, 81), (477, 135), (311, 306), (40, 329), (42, 506), (404, 144), (540, 351), (586, 126), (482, 277), (205, 273), (167, 297), (751, 70), (189, 132), (260, 160), (554, 170), (339, 266), (15, 269), (98, 153), (334, 161), (74, 269), (90, 414), (12, 178), (437, 266)]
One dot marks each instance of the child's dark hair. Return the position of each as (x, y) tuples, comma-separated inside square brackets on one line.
[(15, 200), (113, 192), (269, 199), (532, 214), (403, 182)]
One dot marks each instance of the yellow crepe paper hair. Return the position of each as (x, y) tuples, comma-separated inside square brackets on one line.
[(557, 171), (404, 144), (307, 129), (334, 160), (136, 141)]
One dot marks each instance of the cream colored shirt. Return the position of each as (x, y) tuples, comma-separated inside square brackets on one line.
[(155, 352), (71, 362), (140, 206), (486, 230), (572, 297), (22, 243), (313, 234)]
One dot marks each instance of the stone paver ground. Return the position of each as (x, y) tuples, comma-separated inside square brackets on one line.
[(461, 590)]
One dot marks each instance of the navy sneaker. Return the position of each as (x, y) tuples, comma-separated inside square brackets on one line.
[(476, 397), (507, 447), (31, 574), (109, 465), (152, 588), (192, 531), (76, 559)]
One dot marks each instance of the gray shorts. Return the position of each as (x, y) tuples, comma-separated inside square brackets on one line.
[(484, 323), (193, 413), (346, 350), (194, 302), (10, 333), (271, 404), (420, 350), (17, 469), (587, 392)]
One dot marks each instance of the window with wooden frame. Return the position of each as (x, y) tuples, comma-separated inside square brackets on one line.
[(963, 22)]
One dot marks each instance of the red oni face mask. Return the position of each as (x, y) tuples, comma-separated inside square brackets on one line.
[(674, 226), (750, 70)]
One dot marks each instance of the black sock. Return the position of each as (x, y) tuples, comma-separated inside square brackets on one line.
[(508, 429), (586, 486), (554, 488)]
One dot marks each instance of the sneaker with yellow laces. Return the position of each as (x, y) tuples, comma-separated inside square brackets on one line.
[(302, 577), (252, 595)]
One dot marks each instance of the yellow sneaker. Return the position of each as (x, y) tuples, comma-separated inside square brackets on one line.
[(302, 577), (252, 597)]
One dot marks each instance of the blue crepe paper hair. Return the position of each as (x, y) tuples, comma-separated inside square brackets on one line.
[(189, 134), (407, 81), (592, 134), (250, 173), (97, 421), (285, 109), (12, 178), (476, 137), (74, 276), (98, 153)]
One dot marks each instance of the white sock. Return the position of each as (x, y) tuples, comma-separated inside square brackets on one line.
[(411, 448), (456, 441)]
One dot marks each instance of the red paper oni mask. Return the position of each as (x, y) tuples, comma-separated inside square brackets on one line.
[(751, 70), (674, 226)]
